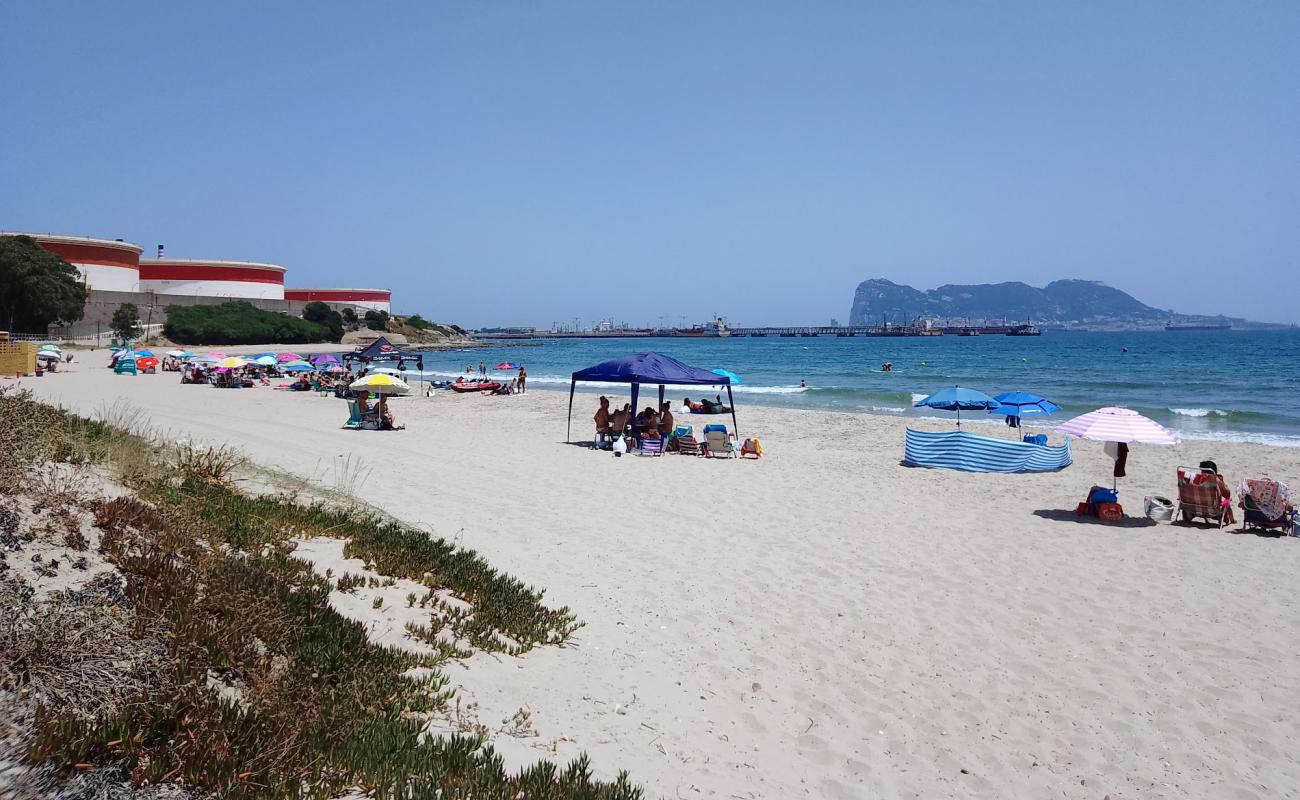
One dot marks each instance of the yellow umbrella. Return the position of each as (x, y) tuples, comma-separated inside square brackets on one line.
[(232, 362), (379, 383)]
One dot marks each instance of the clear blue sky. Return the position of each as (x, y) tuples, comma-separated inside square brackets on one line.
[(519, 163)]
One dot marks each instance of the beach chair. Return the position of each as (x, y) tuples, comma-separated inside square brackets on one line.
[(358, 421), (718, 443), (686, 443), (651, 447), (1264, 505), (124, 366), (1198, 499)]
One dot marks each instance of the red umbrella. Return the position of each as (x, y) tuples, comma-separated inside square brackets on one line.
[(148, 362), (506, 365)]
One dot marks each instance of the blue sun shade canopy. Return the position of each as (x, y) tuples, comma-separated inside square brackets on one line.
[(650, 368)]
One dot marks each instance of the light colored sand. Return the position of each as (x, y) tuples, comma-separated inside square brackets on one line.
[(825, 622)]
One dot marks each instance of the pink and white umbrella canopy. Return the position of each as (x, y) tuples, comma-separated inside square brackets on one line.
[(1118, 425)]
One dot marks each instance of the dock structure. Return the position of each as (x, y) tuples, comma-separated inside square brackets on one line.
[(797, 331)]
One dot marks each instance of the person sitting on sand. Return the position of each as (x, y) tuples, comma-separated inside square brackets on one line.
[(602, 422), (649, 422), (387, 422), (1209, 474)]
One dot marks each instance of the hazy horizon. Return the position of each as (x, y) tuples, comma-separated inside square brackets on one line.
[(517, 165)]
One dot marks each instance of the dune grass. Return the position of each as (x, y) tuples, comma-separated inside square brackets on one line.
[(310, 706)]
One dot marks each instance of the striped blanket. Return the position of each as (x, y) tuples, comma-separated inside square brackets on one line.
[(973, 453)]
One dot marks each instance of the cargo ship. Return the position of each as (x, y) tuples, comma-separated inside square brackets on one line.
[(718, 327)]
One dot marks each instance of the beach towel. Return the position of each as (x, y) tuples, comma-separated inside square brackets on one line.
[(1269, 496)]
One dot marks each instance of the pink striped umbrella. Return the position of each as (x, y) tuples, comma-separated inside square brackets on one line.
[(1118, 425)]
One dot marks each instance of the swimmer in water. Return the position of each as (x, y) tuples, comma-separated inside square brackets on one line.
[(802, 384)]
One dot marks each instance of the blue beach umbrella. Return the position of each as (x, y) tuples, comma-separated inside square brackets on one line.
[(959, 400), (1023, 404), (300, 366), (144, 354), (726, 373)]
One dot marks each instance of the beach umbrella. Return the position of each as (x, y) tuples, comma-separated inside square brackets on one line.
[(334, 369), (1122, 426), (726, 373), (259, 355), (232, 362), (297, 366), (264, 361), (958, 399), (145, 353), (49, 356), (325, 358), (216, 354), (148, 362), (380, 383), (49, 348), (1022, 404), (298, 363), (507, 365), (206, 358), (1118, 425), (285, 357), (387, 370), (177, 353)]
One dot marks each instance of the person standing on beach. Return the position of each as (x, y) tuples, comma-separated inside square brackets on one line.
[(482, 369), (523, 376)]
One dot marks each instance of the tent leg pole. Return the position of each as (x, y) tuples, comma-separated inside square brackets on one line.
[(568, 425), (732, 402)]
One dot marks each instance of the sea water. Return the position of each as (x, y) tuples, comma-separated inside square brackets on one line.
[(1229, 385)]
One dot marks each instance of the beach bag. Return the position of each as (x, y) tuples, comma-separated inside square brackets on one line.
[(1110, 512), (752, 447), (1158, 508)]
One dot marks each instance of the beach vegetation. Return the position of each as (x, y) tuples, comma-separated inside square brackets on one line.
[(323, 315), (242, 680), (125, 322), (376, 320), (349, 316), (37, 288), (240, 322)]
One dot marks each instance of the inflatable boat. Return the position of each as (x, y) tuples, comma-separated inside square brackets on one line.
[(475, 386)]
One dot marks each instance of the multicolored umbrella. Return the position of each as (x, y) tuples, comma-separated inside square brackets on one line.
[(1118, 425), (264, 361), (232, 362), (380, 383), (285, 357)]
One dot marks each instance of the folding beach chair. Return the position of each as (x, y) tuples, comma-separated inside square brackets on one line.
[(686, 443), (718, 443), (1198, 499), (1264, 505), (651, 447)]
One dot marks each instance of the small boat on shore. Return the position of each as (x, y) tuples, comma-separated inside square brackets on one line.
[(475, 386)]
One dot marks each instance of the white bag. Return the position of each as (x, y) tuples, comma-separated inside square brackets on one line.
[(1159, 508)]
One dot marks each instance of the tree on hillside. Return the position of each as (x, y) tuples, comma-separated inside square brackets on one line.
[(37, 288), (323, 315), (349, 317), (126, 322), (377, 320)]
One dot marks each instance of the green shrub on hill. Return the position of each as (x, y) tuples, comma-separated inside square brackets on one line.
[(240, 322)]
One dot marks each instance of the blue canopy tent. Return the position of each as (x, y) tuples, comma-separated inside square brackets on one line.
[(652, 368)]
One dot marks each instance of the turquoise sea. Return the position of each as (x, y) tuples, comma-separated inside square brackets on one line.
[(1231, 385)]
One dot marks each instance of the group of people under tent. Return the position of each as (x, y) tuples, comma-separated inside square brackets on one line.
[(632, 429)]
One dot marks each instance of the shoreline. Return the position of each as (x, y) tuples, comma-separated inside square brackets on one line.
[(823, 622)]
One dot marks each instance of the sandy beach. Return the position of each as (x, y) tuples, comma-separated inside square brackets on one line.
[(824, 622)]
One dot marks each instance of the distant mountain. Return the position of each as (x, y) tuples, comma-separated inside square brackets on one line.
[(1061, 304)]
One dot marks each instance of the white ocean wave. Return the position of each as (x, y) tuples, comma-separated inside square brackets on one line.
[(916, 398), (1239, 437), (1199, 412), (744, 389)]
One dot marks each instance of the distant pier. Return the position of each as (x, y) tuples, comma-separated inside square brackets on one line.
[(804, 331)]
